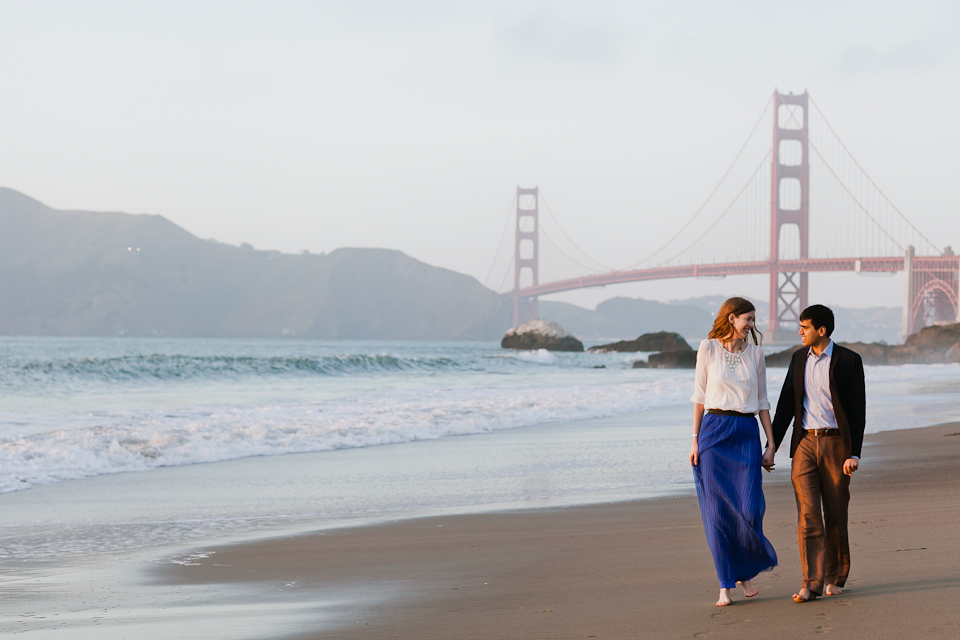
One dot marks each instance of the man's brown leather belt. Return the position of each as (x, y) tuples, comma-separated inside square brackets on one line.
[(819, 433)]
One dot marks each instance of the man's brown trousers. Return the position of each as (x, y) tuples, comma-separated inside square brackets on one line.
[(823, 496)]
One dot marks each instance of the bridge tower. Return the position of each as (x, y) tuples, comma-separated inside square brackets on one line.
[(789, 205), (931, 291), (526, 254)]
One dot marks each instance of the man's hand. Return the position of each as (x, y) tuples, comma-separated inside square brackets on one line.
[(767, 462), (850, 465)]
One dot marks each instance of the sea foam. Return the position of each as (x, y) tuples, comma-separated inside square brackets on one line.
[(75, 408), (134, 440)]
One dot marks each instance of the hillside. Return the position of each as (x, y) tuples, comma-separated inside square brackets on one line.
[(874, 324), (626, 318), (96, 274), (74, 273)]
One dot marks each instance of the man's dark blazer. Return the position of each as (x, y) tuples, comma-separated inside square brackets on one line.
[(846, 388)]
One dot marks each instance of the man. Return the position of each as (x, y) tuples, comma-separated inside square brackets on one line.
[(824, 395)]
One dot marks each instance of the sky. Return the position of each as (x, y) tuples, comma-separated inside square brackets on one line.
[(408, 125)]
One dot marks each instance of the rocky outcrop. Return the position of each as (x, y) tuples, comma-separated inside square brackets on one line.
[(540, 334), (871, 352), (673, 352), (677, 359), (659, 341), (931, 345), (781, 358), (942, 336), (940, 343)]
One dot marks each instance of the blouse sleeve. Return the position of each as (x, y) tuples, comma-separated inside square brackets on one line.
[(763, 402), (700, 379)]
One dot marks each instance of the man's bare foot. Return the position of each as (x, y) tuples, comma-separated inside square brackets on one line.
[(724, 598), (804, 595), (748, 589), (833, 590)]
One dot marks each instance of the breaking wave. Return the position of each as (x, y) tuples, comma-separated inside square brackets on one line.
[(119, 441), (160, 368)]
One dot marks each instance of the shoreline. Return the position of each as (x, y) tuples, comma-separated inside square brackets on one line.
[(190, 506), (636, 568)]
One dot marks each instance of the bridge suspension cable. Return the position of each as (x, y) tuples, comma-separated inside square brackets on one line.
[(586, 261), (725, 211), (506, 225), (733, 163), (564, 254), (850, 193), (869, 179), (567, 236), (793, 119), (506, 275)]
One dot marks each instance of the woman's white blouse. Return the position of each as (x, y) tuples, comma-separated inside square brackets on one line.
[(740, 388)]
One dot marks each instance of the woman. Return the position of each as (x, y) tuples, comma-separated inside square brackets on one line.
[(731, 383)]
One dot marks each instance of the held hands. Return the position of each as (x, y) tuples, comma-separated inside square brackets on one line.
[(850, 465), (767, 461)]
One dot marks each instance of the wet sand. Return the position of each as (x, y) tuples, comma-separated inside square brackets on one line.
[(625, 570)]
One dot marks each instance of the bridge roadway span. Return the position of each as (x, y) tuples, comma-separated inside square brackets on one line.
[(804, 265)]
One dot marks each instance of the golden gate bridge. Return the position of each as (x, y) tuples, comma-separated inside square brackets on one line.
[(788, 205)]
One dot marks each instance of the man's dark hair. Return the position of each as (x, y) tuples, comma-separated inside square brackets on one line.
[(819, 316)]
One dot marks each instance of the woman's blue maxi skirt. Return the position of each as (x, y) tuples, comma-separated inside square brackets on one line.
[(731, 498)]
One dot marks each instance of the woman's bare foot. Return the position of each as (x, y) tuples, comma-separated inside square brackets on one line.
[(748, 589), (804, 595), (833, 590), (724, 598)]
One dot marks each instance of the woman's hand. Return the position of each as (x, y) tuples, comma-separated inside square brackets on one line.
[(697, 419), (771, 449), (768, 457)]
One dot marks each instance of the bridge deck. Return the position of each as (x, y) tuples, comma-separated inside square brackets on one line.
[(805, 265)]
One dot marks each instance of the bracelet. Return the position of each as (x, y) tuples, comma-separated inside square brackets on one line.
[(695, 435)]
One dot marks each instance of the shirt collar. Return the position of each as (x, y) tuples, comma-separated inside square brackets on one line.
[(828, 352)]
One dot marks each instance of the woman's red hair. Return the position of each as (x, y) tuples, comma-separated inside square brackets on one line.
[(722, 329)]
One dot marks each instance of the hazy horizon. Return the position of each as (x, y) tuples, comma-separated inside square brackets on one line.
[(295, 126)]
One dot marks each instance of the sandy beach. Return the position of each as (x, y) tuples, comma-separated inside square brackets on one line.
[(625, 570)]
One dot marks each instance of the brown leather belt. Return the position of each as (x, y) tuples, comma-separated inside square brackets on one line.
[(820, 433)]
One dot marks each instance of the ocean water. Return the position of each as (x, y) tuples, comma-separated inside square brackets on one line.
[(119, 455), (75, 408), (109, 445)]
